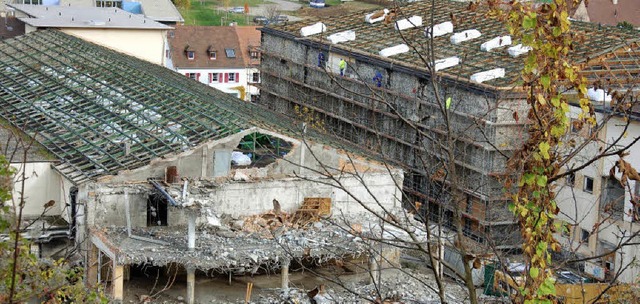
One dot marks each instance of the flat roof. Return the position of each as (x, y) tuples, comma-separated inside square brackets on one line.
[(84, 17), (592, 42), (158, 10)]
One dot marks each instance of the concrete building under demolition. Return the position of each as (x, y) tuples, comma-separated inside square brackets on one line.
[(385, 100), (165, 171)]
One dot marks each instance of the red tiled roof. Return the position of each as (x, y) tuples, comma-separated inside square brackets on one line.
[(202, 39), (605, 12)]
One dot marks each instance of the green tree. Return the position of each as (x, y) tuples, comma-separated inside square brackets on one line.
[(22, 275)]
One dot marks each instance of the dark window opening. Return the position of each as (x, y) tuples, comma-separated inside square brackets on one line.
[(191, 55), (261, 150), (588, 184), (612, 198), (255, 77), (584, 235), (157, 210)]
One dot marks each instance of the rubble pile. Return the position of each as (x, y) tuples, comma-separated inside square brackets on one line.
[(276, 221), (397, 287)]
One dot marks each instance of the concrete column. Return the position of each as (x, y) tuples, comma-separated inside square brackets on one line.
[(118, 282), (374, 270), (92, 266), (284, 272), (191, 285), (192, 231)]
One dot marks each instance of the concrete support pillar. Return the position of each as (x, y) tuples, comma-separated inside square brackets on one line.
[(191, 285), (192, 231), (92, 266), (374, 270), (118, 282), (284, 272)]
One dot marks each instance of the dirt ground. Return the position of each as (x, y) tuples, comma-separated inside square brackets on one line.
[(219, 289)]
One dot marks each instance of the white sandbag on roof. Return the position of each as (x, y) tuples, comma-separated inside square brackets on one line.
[(394, 50), (464, 36), (439, 29), (313, 29), (404, 24), (376, 16), (446, 63), (487, 75), (496, 43), (598, 95), (345, 36), (518, 50)]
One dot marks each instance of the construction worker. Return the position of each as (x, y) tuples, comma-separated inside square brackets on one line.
[(321, 60), (378, 79), (342, 65)]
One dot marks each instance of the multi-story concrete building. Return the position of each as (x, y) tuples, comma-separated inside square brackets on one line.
[(385, 99)]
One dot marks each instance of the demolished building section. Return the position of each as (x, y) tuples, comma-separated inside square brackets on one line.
[(385, 100), (170, 172)]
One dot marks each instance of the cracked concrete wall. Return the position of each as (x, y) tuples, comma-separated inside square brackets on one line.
[(106, 207)]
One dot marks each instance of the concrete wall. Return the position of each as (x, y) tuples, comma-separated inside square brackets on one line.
[(147, 45), (106, 207), (354, 108), (42, 184), (285, 180)]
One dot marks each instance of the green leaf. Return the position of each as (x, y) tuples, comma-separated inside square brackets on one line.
[(545, 80), (534, 272), (547, 287), (557, 31), (544, 149), (542, 180), (529, 178), (529, 22)]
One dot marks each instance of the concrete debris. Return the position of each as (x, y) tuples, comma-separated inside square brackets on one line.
[(240, 176), (398, 286)]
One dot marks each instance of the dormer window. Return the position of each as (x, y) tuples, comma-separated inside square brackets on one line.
[(212, 55), (109, 3), (191, 55), (254, 54), (231, 53)]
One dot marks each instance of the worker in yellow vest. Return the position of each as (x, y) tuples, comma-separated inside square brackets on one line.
[(342, 65)]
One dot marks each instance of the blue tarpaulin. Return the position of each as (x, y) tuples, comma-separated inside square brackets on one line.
[(132, 7)]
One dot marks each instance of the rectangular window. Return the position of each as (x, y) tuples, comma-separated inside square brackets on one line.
[(213, 77), (192, 76), (584, 235), (254, 54), (166, 53), (32, 2), (109, 3), (232, 77), (212, 55), (191, 55), (231, 53), (588, 184), (255, 77), (571, 179)]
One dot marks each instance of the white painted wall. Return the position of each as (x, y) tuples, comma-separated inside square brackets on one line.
[(228, 87), (249, 198), (147, 45), (578, 206), (42, 184)]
